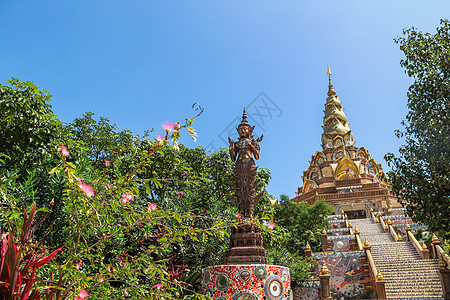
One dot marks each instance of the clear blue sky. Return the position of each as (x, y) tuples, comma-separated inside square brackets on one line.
[(140, 63)]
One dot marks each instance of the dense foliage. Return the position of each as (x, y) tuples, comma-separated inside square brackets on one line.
[(137, 217), (304, 223), (420, 174)]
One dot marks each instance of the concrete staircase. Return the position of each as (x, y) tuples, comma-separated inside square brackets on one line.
[(407, 275)]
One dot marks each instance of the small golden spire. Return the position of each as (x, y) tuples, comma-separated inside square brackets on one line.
[(379, 275), (399, 238), (308, 247), (434, 238), (345, 216), (424, 246), (366, 243), (377, 220), (371, 209), (407, 226), (329, 72), (324, 231), (324, 269), (349, 224), (356, 229)]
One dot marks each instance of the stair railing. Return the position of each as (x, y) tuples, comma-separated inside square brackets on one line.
[(444, 264), (375, 276), (358, 239), (422, 250), (374, 218), (383, 224), (397, 237)]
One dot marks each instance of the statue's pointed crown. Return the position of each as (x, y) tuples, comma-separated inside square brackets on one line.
[(244, 120)]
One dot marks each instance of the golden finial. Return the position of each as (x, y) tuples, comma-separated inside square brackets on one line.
[(434, 238), (424, 246), (371, 209), (324, 269), (399, 238), (389, 221), (442, 263), (356, 229), (379, 275), (349, 224), (308, 247), (324, 231), (407, 226), (345, 216), (329, 72), (379, 214), (366, 243), (377, 220), (334, 219)]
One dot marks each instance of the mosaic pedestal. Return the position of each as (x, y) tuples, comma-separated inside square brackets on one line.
[(247, 282)]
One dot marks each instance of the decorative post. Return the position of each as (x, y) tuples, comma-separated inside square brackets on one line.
[(380, 285), (308, 251), (324, 277), (324, 241), (245, 273), (444, 276), (408, 229), (434, 242)]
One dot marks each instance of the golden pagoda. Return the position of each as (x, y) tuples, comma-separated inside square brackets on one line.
[(343, 175)]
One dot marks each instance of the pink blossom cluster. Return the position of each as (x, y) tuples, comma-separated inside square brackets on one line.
[(86, 188), (64, 151), (127, 197)]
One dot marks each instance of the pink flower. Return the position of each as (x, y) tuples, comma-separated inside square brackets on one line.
[(176, 126), (160, 139), (125, 292), (169, 199), (123, 264), (78, 265), (104, 235), (186, 173), (64, 151), (127, 197), (87, 189), (106, 162), (109, 186), (52, 201), (180, 193), (101, 278), (158, 286), (238, 216), (270, 225), (151, 206), (168, 127), (83, 294)]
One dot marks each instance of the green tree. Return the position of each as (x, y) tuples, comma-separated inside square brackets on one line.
[(27, 123), (304, 223), (420, 174)]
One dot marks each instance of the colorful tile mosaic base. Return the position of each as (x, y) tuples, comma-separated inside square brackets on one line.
[(252, 282), (311, 291), (346, 272)]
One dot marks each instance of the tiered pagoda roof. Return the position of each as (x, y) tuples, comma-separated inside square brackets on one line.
[(342, 174)]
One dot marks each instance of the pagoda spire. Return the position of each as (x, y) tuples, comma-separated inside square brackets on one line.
[(335, 121)]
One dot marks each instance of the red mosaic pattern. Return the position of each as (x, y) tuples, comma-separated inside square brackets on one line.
[(256, 281)]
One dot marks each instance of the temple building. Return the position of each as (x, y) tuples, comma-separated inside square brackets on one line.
[(342, 174)]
